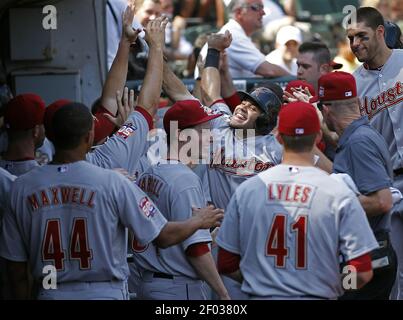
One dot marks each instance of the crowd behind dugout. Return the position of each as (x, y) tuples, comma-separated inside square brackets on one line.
[(184, 241)]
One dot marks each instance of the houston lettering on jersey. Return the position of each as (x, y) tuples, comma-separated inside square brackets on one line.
[(61, 195), (386, 99), (240, 167), (293, 194)]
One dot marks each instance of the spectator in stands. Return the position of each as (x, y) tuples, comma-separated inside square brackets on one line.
[(288, 41), (244, 59), (176, 46)]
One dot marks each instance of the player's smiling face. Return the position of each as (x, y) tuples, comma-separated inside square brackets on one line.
[(364, 42), (245, 116)]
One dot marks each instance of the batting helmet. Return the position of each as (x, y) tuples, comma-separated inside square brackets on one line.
[(393, 35), (269, 103)]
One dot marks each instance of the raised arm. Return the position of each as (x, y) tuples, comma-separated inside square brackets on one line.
[(211, 82), (227, 85), (116, 77), (174, 87), (151, 89)]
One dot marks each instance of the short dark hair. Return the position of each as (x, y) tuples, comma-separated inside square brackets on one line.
[(319, 49), (371, 17), (70, 124), (299, 143)]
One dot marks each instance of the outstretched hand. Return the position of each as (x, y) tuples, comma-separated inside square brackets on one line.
[(210, 216), (128, 32), (125, 109), (298, 94), (220, 41), (155, 31)]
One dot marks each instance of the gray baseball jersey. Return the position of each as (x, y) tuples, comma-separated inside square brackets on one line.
[(362, 154), (381, 95), (18, 168), (74, 216), (6, 180), (175, 189), (125, 147), (289, 224), (234, 160)]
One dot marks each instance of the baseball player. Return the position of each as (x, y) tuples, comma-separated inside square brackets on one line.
[(362, 151), (257, 113), (72, 215), (284, 228), (23, 119), (379, 86), (178, 272)]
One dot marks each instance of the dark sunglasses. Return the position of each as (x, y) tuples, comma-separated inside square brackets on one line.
[(254, 6)]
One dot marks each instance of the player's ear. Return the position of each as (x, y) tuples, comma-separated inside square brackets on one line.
[(325, 68), (380, 31)]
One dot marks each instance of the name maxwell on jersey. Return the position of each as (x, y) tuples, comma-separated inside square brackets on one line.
[(60, 195)]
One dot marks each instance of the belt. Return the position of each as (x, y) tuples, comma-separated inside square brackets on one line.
[(162, 275), (149, 275), (398, 172)]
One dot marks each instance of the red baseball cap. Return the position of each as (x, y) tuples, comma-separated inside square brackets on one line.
[(337, 85), (49, 112), (298, 119), (24, 112), (188, 113)]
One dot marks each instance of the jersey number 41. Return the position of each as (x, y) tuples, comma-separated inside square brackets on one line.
[(276, 241)]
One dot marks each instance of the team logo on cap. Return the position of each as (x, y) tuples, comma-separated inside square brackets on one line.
[(126, 130), (348, 94), (147, 207), (299, 130)]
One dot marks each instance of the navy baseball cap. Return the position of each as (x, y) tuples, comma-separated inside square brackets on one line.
[(393, 35), (262, 97)]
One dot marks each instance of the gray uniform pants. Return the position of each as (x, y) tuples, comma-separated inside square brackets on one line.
[(157, 286)]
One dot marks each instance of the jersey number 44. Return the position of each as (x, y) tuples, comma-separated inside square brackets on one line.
[(52, 244)]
